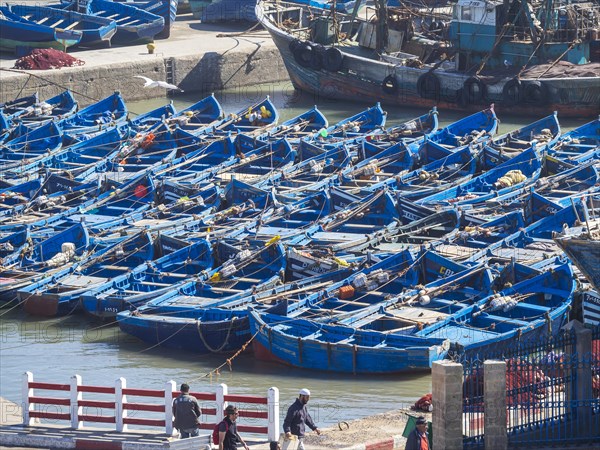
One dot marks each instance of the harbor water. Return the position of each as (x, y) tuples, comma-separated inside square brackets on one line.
[(56, 349)]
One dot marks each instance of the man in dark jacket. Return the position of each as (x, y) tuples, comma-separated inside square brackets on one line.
[(187, 413), (228, 434), (418, 438), (297, 418)]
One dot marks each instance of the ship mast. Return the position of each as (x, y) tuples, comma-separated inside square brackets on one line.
[(382, 25)]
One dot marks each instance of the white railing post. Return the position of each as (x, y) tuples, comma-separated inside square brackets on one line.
[(120, 400), (76, 396), (170, 387), (221, 403), (26, 393), (273, 413)]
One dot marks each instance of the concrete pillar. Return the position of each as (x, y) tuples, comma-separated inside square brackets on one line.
[(494, 400), (170, 387), (120, 400), (447, 379), (26, 393), (221, 403), (583, 388), (76, 396), (273, 413)]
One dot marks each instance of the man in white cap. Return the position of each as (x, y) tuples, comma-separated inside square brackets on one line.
[(297, 418)]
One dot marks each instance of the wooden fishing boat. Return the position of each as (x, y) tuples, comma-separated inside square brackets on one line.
[(167, 9), (67, 291), (199, 115), (31, 111), (236, 270), (510, 175), (541, 135), (17, 33), (134, 25), (527, 311), (51, 254), (454, 70), (584, 251), (108, 111), (95, 30), (59, 295)]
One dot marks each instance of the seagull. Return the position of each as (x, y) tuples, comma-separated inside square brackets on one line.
[(507, 63), (162, 84)]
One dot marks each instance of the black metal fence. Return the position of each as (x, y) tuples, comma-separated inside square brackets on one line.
[(552, 394)]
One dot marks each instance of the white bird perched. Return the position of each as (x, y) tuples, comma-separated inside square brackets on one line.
[(162, 84), (507, 63)]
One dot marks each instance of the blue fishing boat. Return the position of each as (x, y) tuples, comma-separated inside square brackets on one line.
[(199, 115), (34, 262), (513, 174), (527, 311), (17, 32), (32, 111), (236, 271), (167, 9), (37, 142), (541, 135), (134, 25), (95, 30), (111, 110), (59, 295)]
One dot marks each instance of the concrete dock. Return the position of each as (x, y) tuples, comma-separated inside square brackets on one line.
[(197, 58)]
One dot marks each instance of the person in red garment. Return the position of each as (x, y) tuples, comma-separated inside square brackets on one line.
[(418, 438)]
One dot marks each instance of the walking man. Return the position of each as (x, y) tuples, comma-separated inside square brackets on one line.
[(297, 418), (228, 434), (187, 413), (418, 438)]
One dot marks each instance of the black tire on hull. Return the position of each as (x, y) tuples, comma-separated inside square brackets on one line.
[(428, 86), (536, 93), (475, 90), (389, 85), (303, 54), (512, 92)]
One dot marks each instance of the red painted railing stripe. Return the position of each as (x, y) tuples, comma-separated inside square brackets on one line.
[(253, 429), (246, 399), (96, 404), (254, 414), (201, 395), (50, 401), (149, 422), (49, 386), (144, 392), (50, 415), (97, 389), (144, 407), (210, 411), (90, 418), (207, 426)]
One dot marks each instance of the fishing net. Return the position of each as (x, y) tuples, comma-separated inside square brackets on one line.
[(46, 58)]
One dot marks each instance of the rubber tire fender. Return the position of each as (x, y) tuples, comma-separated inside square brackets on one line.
[(512, 92), (318, 54), (535, 93), (428, 86), (475, 95), (303, 54), (333, 59), (389, 85), (294, 45)]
